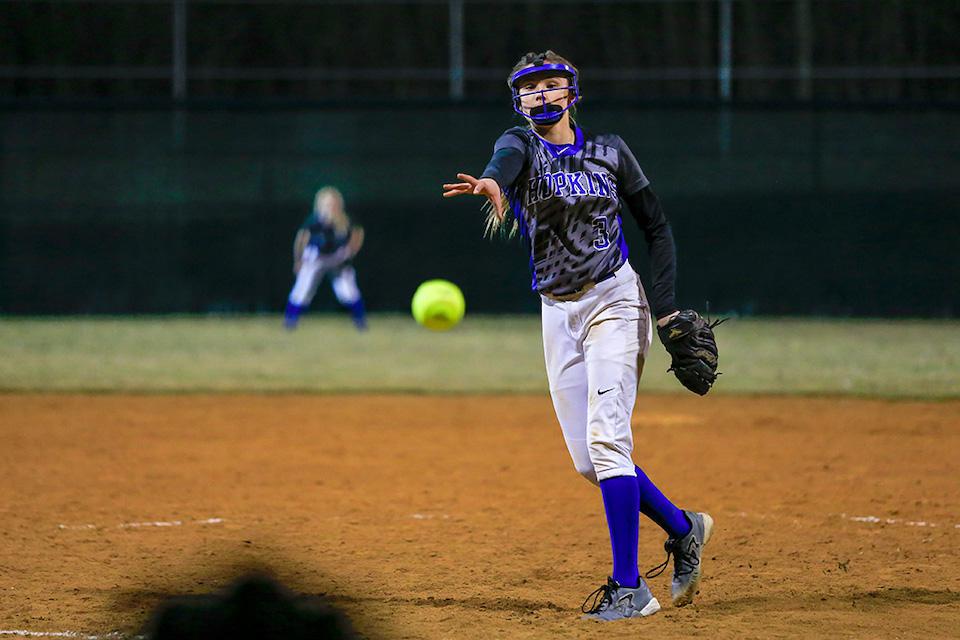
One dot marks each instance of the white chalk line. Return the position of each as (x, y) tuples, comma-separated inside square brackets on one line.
[(67, 634), (140, 525), (429, 516), (864, 520), (906, 523)]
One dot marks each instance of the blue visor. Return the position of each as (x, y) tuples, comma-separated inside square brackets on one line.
[(554, 69)]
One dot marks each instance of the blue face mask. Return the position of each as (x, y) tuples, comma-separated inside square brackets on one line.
[(546, 113)]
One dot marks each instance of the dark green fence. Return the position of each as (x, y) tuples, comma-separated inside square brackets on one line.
[(807, 211)]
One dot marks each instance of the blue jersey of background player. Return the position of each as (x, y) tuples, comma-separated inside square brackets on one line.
[(566, 189), (325, 244)]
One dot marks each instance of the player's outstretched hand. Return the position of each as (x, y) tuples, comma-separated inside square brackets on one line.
[(487, 187)]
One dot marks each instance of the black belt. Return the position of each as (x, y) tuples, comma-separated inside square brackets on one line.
[(579, 293)]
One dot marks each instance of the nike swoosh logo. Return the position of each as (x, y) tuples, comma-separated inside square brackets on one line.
[(600, 393)]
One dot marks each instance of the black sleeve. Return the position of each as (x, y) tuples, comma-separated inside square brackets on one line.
[(630, 178), (646, 209), (509, 154)]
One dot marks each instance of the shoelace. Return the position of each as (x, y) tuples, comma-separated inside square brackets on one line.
[(716, 323), (685, 561), (601, 597)]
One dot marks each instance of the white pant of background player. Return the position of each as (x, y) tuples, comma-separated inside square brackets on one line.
[(313, 267), (594, 349)]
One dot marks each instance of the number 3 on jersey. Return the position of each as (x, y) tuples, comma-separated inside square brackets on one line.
[(600, 239)]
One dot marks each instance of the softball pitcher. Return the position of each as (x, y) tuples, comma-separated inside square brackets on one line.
[(565, 188), (324, 244)]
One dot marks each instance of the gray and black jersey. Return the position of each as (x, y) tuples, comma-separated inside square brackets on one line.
[(567, 200)]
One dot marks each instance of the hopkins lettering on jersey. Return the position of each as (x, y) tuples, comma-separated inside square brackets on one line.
[(564, 184), (567, 205)]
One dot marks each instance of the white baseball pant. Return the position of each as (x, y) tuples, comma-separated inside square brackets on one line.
[(594, 349), (313, 266)]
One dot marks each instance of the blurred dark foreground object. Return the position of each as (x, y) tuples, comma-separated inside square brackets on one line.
[(252, 607)]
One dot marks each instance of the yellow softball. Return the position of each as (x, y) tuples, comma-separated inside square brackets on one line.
[(438, 305)]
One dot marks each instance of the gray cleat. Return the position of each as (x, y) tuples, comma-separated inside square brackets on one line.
[(614, 602), (686, 558)]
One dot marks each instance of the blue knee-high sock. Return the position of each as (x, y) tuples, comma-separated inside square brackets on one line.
[(655, 506), (358, 313), (621, 501), (292, 314)]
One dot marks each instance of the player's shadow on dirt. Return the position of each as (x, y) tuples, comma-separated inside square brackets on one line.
[(252, 607), (874, 599)]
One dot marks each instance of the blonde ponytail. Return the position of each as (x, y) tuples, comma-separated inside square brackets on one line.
[(505, 227)]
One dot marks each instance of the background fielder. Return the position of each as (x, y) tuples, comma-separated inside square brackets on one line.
[(325, 244)]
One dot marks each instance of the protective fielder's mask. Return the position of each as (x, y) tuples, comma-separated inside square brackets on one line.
[(545, 112)]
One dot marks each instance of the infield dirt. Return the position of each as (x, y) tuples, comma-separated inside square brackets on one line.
[(462, 516)]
